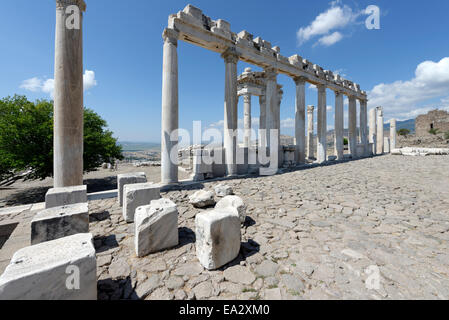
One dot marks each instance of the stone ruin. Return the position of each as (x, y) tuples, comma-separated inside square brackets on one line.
[(192, 26), (434, 120), (60, 234)]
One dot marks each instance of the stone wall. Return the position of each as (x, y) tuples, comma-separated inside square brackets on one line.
[(436, 119)]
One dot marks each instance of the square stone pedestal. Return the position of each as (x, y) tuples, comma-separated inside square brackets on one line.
[(136, 195), (57, 197), (62, 269), (59, 222), (128, 178)]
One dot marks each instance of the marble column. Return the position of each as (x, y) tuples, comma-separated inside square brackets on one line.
[(271, 102), (170, 115), (364, 126), (310, 133), (231, 58), (262, 122), (393, 134), (68, 95), (352, 123), (247, 120), (373, 130), (300, 120), (339, 126), (322, 125), (380, 131)]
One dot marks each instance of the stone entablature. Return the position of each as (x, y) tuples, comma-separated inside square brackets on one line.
[(192, 26), (216, 35), (435, 119)]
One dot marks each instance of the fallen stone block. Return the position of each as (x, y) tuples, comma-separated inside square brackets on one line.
[(156, 227), (137, 195), (128, 178), (202, 198), (57, 197), (217, 237), (54, 223), (234, 202), (222, 190), (62, 269)]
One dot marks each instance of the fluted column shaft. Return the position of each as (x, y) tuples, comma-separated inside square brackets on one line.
[(393, 134), (364, 126), (380, 130), (231, 58), (310, 132), (68, 94), (339, 126), (262, 121), (271, 102), (170, 112), (373, 130), (322, 125), (352, 120), (300, 120), (247, 120)]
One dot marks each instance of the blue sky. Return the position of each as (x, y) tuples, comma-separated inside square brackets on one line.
[(404, 66)]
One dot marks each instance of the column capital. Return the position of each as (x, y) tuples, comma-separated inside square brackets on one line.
[(230, 55), (321, 87), (247, 98), (65, 3), (363, 101), (339, 92), (310, 109), (271, 73), (170, 36), (351, 98), (300, 80)]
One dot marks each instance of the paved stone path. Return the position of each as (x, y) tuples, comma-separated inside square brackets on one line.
[(318, 233)]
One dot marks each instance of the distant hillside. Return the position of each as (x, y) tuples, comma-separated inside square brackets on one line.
[(139, 146), (407, 124)]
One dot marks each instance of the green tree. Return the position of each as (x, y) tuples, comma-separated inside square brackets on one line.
[(403, 132), (446, 135), (345, 141), (26, 139), (434, 131)]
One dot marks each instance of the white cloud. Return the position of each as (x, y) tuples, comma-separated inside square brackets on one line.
[(288, 123), (330, 39), (329, 108), (33, 84), (336, 17), (47, 86), (89, 80), (407, 99)]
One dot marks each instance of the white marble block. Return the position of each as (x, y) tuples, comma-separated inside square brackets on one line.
[(223, 190), (128, 178), (217, 237), (202, 198), (62, 269), (137, 195), (156, 227), (57, 197), (54, 223), (233, 202)]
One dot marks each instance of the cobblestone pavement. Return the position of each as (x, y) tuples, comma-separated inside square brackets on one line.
[(319, 233)]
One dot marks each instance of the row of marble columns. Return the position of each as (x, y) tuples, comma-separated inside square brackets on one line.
[(303, 149), (269, 115)]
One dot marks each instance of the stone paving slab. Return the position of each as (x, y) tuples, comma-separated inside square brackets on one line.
[(335, 227)]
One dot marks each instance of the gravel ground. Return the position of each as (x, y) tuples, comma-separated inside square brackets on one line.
[(26, 192), (312, 234), (317, 233)]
